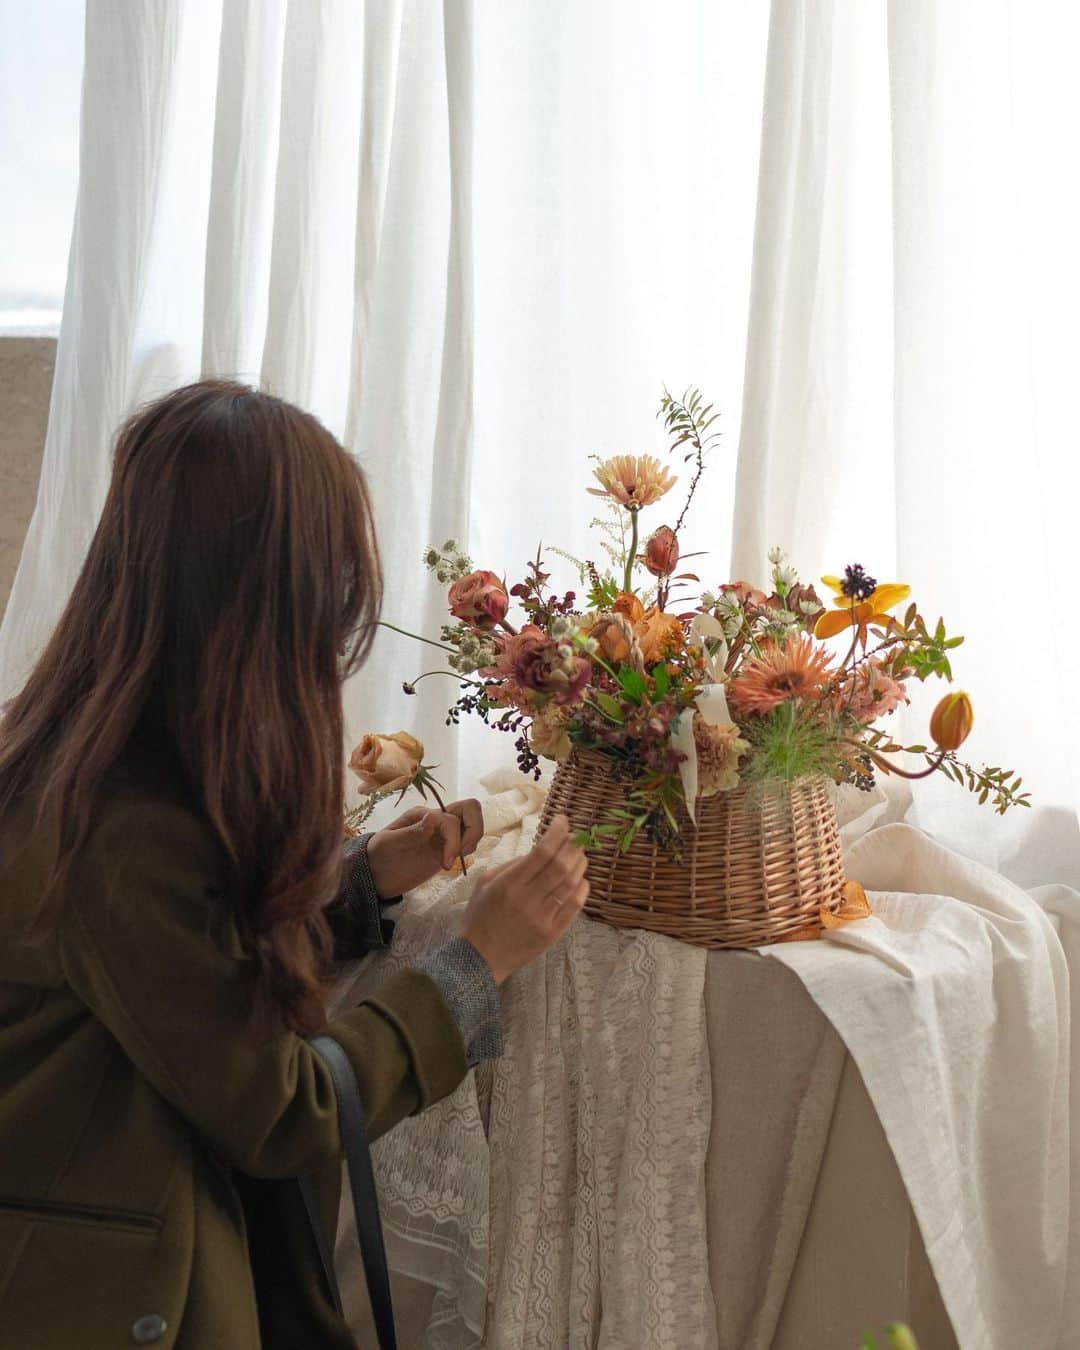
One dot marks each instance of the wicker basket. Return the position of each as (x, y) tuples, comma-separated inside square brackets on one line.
[(758, 867)]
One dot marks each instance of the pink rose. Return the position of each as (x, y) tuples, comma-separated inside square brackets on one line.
[(479, 599), (662, 552), (534, 661), (386, 763), (875, 693), (744, 593)]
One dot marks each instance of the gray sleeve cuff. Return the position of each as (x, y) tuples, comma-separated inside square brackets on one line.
[(356, 916), (471, 994)]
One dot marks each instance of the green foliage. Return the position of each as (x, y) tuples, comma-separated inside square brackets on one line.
[(689, 421), (925, 653), (652, 807), (633, 684), (788, 743), (1001, 787), (603, 592)]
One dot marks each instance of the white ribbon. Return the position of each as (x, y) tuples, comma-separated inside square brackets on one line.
[(711, 703)]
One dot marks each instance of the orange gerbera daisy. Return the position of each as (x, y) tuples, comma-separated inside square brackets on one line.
[(632, 480), (795, 668)]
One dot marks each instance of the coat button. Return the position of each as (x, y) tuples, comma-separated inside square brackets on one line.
[(149, 1329)]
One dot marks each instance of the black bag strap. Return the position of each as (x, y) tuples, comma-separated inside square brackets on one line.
[(364, 1196)]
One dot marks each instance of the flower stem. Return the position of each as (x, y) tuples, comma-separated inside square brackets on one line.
[(428, 782), (631, 557), (383, 623), (887, 766)]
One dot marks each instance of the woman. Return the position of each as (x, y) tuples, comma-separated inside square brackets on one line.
[(173, 889)]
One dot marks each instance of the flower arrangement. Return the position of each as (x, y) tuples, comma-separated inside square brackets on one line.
[(688, 696)]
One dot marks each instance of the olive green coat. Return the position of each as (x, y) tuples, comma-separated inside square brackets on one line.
[(136, 1100)]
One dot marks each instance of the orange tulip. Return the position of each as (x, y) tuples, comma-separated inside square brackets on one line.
[(952, 721)]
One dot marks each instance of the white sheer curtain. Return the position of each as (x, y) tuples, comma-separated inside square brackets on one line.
[(41, 56), (475, 239), (911, 361)]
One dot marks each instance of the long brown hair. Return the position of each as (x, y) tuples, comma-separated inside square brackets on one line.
[(231, 585)]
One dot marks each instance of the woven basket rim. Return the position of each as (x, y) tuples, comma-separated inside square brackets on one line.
[(755, 867), (598, 757)]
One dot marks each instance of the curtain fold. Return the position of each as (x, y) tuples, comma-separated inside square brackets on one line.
[(475, 240), (906, 342)]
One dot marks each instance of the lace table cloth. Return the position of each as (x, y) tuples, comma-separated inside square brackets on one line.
[(675, 1150)]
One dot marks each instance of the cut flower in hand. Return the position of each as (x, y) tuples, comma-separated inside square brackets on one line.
[(687, 696), (389, 765)]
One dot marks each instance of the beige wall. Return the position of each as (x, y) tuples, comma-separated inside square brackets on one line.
[(26, 370)]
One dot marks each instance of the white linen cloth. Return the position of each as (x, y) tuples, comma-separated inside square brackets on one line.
[(577, 1217)]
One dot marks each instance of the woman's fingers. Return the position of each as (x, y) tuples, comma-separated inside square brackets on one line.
[(443, 832), (413, 816), (561, 916), (543, 853), (471, 815)]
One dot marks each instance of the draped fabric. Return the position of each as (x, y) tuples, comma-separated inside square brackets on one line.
[(911, 342), (477, 239)]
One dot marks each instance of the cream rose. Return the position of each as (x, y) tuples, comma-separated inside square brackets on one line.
[(386, 763), (547, 735), (719, 749)]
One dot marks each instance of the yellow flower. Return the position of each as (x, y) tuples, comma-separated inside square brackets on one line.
[(873, 609), (632, 480)]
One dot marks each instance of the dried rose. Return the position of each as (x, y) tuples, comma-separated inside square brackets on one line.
[(534, 661), (548, 736), (719, 749), (744, 593), (661, 555), (386, 763), (479, 599)]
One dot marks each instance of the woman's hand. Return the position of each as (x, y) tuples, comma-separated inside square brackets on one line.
[(420, 844), (519, 909)]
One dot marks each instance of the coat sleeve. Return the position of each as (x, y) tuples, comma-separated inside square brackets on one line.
[(136, 947)]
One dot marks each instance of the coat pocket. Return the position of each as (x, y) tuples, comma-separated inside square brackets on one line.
[(101, 1216)]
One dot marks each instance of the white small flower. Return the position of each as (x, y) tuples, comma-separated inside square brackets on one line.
[(431, 557), (450, 546), (777, 556), (787, 577), (560, 627), (707, 600)]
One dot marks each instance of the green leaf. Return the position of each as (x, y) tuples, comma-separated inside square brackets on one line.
[(661, 680), (610, 706), (633, 683)]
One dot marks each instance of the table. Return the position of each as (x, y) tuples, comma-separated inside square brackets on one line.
[(677, 1149), (811, 1237)]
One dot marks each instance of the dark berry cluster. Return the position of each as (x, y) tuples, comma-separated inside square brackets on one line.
[(859, 771), (857, 585)]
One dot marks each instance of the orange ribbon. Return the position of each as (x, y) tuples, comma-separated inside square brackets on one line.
[(854, 905)]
